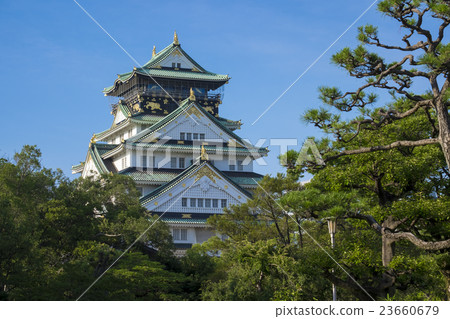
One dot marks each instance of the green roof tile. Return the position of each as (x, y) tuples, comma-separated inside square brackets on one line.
[(166, 175), (155, 175), (183, 220), (151, 68), (103, 148), (184, 105), (186, 174), (147, 118)]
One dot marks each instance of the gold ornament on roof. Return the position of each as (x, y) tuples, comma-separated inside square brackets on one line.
[(203, 155), (209, 109), (154, 51), (192, 95), (92, 141), (175, 38), (193, 111), (153, 106), (176, 52), (208, 172)]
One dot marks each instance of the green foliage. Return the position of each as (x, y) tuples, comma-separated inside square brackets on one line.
[(378, 182), (263, 271), (437, 62), (274, 255), (57, 236), (405, 184), (367, 32), (418, 278)]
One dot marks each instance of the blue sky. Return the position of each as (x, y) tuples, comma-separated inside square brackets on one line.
[(55, 62)]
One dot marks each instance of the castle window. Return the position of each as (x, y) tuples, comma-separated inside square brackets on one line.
[(188, 136), (193, 200), (215, 203), (173, 65), (181, 136), (202, 136), (173, 162), (144, 161), (181, 162), (200, 202), (195, 136), (207, 202), (240, 166), (232, 167), (178, 65), (184, 202), (223, 203), (179, 234)]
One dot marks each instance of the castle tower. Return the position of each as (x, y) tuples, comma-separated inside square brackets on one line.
[(167, 135)]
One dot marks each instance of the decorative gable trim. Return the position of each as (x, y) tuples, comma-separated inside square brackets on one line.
[(203, 175)]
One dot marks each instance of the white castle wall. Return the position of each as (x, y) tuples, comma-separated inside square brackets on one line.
[(204, 188), (162, 159), (193, 124), (89, 169), (177, 57)]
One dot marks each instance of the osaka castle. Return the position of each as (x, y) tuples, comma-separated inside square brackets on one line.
[(168, 136)]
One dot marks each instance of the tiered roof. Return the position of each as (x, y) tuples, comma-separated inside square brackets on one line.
[(186, 174), (102, 153), (153, 69), (158, 176), (183, 107), (149, 119)]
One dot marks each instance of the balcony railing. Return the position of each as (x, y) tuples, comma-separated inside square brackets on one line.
[(174, 93)]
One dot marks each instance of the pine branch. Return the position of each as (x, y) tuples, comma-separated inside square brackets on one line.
[(427, 245), (384, 147)]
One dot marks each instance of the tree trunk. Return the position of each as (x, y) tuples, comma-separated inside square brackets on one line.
[(444, 130), (442, 115), (386, 286), (387, 250), (259, 282), (300, 235)]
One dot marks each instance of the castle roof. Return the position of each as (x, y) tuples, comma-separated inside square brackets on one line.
[(155, 69), (187, 173)]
